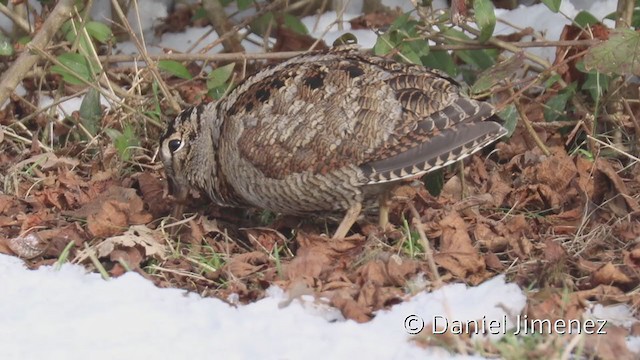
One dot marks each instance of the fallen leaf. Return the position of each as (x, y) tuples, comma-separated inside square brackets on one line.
[(112, 212), (609, 274), (137, 235), (457, 253), (28, 246)]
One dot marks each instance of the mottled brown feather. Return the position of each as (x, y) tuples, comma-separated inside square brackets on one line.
[(316, 132)]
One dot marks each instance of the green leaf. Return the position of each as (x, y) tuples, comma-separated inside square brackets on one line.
[(400, 22), (618, 55), (477, 58), (485, 18), (91, 111), (409, 53), (441, 60), (434, 181), (596, 82), (295, 24), (220, 76), (244, 4), (383, 45), (6, 49), (510, 117), (123, 141), (556, 106), (77, 68), (584, 19), (99, 31), (493, 75), (174, 68), (553, 5), (551, 80), (261, 24)]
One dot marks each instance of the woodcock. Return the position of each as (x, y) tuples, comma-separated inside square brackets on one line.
[(324, 132)]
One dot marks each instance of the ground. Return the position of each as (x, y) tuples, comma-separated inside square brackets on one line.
[(553, 207)]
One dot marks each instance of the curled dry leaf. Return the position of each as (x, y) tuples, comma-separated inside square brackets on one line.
[(457, 254), (246, 264), (153, 194), (610, 345), (112, 212), (137, 235), (350, 308), (28, 246), (610, 274), (609, 184), (131, 256), (46, 161)]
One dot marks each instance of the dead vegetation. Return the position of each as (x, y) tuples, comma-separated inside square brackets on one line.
[(555, 206)]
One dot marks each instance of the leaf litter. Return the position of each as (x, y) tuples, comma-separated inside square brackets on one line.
[(561, 224)]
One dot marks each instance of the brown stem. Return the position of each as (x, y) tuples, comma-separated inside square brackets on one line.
[(16, 19), (532, 132), (428, 252), (222, 25), (143, 52), (12, 77)]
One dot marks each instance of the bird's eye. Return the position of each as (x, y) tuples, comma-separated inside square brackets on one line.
[(175, 145)]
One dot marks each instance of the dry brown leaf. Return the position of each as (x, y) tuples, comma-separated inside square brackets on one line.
[(557, 171), (612, 345), (241, 269), (373, 272), (493, 262), (137, 235), (399, 270), (499, 189), (308, 263), (489, 239), (457, 253), (553, 304), (609, 274), (46, 161), (350, 308), (153, 194), (28, 246), (131, 256), (607, 174), (112, 212), (554, 252)]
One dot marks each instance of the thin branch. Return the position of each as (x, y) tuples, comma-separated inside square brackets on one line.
[(428, 252), (12, 77), (20, 22), (143, 52), (532, 132), (241, 56), (222, 25)]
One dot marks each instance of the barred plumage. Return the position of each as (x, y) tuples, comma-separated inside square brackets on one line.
[(318, 132)]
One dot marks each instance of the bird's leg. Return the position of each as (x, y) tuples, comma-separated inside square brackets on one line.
[(347, 222), (383, 205)]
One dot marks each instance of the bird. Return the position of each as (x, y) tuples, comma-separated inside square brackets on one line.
[(324, 132)]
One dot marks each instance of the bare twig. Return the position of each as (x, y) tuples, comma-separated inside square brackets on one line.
[(143, 52), (204, 57), (289, 54), (532, 132), (220, 21), (428, 252), (20, 22), (12, 77)]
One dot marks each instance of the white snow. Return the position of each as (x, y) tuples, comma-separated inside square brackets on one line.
[(67, 314)]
